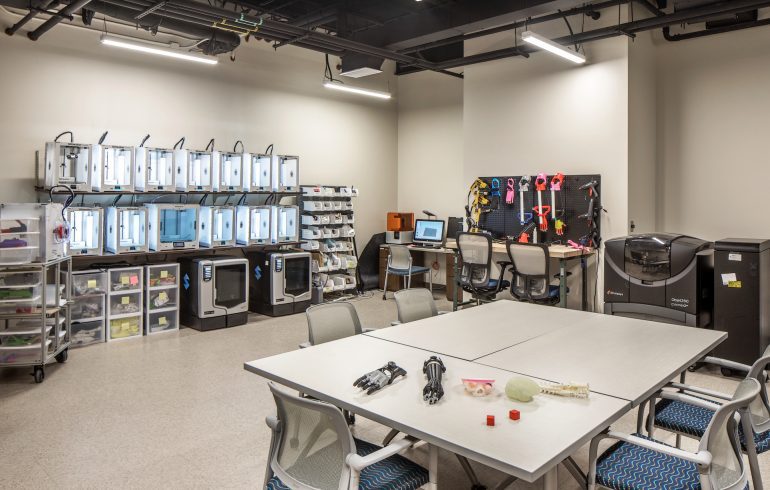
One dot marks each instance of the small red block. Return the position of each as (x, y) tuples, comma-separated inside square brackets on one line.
[(514, 415), (491, 420)]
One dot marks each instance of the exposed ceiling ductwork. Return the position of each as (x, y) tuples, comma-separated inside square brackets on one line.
[(427, 35)]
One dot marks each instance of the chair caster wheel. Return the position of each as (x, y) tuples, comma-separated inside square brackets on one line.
[(39, 374)]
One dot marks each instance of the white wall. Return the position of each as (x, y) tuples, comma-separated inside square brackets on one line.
[(67, 80), (713, 119)]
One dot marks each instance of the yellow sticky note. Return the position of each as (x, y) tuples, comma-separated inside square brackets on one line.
[(162, 321), (92, 283), (735, 284), (125, 325), (163, 296), (125, 300), (163, 274), (124, 280)]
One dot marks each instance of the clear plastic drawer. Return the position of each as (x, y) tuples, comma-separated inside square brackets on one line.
[(87, 333), (163, 299), (87, 308), (124, 328), (88, 283), (162, 322), (24, 354), (125, 304), (163, 275), (125, 280)]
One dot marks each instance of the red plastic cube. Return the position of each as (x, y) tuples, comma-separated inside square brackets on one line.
[(491, 420), (514, 415)]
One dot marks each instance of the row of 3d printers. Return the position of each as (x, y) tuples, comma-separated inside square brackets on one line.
[(110, 168), (161, 227)]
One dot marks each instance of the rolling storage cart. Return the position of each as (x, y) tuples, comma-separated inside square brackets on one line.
[(162, 298), (88, 311), (328, 232), (125, 303), (34, 315)]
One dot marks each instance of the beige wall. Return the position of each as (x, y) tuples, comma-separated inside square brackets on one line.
[(67, 80), (713, 109)]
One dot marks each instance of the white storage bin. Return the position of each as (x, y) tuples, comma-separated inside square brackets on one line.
[(311, 245), (313, 206), (339, 282), (124, 328), (334, 232), (311, 234), (254, 225), (347, 231), (217, 226), (32, 233), (67, 164), (350, 282), (172, 226), (336, 205), (311, 219), (348, 219), (87, 333), (336, 218), (125, 279), (154, 169), (162, 322), (86, 232), (327, 206), (26, 354), (88, 283), (314, 191), (20, 279), (125, 230)]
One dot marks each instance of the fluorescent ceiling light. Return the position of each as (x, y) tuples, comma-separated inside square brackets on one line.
[(360, 72), (143, 48), (354, 90), (555, 48)]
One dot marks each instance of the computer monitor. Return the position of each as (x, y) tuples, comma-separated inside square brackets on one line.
[(429, 232)]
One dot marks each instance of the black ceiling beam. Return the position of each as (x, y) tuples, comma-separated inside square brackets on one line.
[(150, 10)]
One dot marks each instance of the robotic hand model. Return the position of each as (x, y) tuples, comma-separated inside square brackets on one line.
[(379, 378), (433, 369)]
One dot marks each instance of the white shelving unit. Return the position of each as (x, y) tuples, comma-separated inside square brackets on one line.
[(88, 310), (161, 294), (125, 305), (328, 232)]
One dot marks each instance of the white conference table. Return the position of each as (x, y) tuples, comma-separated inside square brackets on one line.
[(550, 430), (624, 361), (479, 331), (622, 357)]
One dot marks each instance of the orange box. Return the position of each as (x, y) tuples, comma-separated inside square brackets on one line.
[(400, 222)]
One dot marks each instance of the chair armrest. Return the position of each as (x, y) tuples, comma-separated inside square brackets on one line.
[(699, 390), (358, 463), (366, 329), (504, 263), (690, 400), (305, 345), (394, 324), (702, 458), (727, 364)]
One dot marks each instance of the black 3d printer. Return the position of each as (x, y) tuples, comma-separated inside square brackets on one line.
[(663, 275)]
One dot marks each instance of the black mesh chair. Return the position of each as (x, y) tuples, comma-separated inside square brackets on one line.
[(531, 279), (476, 272)]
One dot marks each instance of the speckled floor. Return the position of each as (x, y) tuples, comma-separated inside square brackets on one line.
[(178, 410)]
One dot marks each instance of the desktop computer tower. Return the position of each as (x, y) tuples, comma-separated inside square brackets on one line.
[(742, 298)]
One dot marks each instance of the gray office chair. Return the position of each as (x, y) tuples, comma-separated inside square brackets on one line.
[(531, 280), (689, 420), (415, 304), (476, 271), (331, 321), (312, 447), (636, 461), (400, 264)]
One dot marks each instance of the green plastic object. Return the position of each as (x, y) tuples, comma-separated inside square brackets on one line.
[(521, 389)]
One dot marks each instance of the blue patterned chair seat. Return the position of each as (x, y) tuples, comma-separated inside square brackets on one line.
[(691, 420), (393, 473), (626, 466), (416, 269)]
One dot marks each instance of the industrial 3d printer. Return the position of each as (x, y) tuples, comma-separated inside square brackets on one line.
[(662, 275)]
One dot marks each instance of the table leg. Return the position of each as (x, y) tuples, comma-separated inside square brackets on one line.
[(457, 283), (562, 283), (433, 467), (551, 479), (584, 284)]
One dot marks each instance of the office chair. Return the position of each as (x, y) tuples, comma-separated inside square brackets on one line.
[(312, 447), (331, 321), (688, 420), (531, 279), (400, 264), (637, 461), (476, 272), (415, 304)]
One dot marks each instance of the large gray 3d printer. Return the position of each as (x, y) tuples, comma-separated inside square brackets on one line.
[(662, 275)]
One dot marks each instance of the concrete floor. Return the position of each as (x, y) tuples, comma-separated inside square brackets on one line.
[(178, 410)]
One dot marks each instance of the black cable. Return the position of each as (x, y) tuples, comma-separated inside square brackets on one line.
[(235, 146), (67, 202), (72, 140), (104, 137), (269, 150), (571, 32), (179, 143), (210, 145), (141, 145)]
